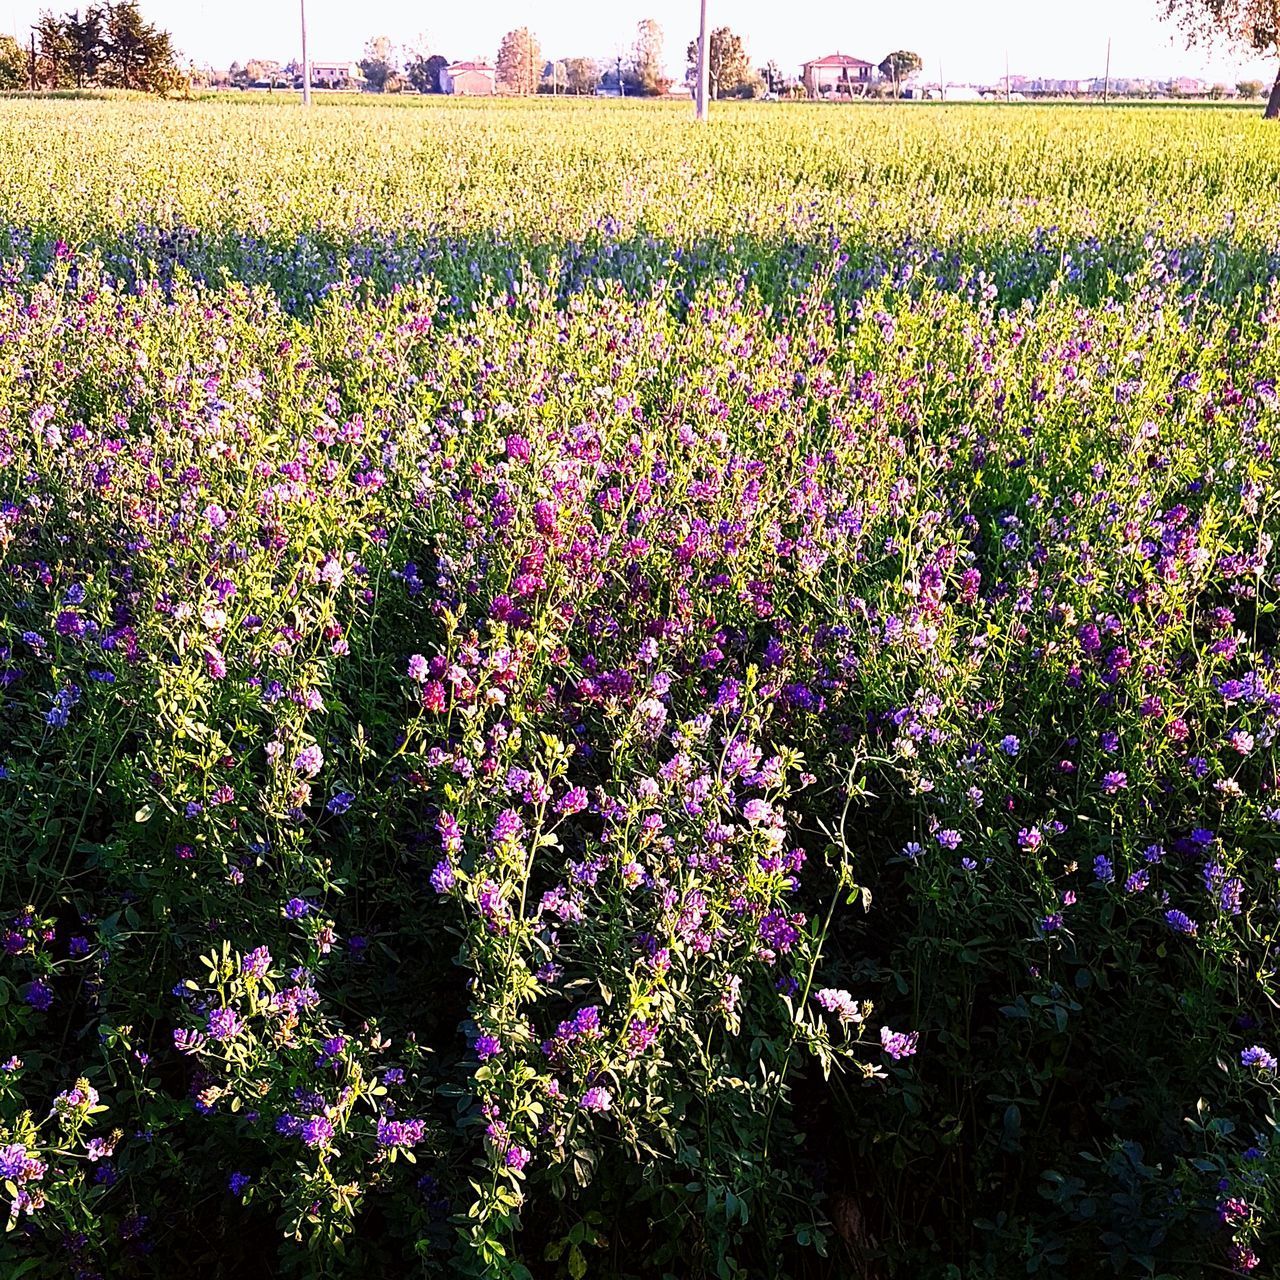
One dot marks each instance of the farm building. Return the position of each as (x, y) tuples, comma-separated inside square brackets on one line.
[(336, 75), (837, 75), (469, 79)]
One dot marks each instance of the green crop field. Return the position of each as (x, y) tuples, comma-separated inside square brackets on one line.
[(584, 695)]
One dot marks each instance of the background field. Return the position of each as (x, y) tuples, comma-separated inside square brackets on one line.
[(584, 695)]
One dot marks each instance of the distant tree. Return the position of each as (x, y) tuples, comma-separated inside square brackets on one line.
[(519, 60), (770, 74), (728, 66), (422, 70), (84, 38), (136, 54), (416, 55), (436, 65), (581, 75), (646, 59), (53, 66), (1250, 89), (378, 63), (1247, 24), (15, 68), (899, 66)]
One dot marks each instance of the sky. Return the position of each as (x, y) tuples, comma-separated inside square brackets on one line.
[(969, 40)]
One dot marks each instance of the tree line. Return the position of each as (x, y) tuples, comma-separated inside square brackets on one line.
[(108, 45)]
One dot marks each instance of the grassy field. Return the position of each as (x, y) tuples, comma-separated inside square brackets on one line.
[(589, 696)]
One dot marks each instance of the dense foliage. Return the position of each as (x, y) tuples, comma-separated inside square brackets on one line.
[(584, 696)]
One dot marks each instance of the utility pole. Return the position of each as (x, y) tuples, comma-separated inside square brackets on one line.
[(704, 66), (1007, 97), (1106, 83), (33, 62), (942, 84), (306, 62)]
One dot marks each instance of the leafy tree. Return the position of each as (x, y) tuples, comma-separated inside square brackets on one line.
[(51, 43), (1247, 24), (1250, 88), (14, 64), (84, 41), (417, 54), (519, 59), (436, 65), (728, 66), (379, 63), (581, 75), (900, 65), (135, 53), (646, 59), (422, 71)]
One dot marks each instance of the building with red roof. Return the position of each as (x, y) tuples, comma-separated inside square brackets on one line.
[(837, 76)]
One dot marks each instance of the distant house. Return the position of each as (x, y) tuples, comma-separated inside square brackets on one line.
[(837, 76), (336, 75), (469, 80)]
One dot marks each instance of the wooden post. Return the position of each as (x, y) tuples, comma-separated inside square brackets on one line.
[(306, 64), (704, 65), (1106, 82)]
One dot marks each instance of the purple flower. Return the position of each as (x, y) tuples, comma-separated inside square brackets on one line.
[(39, 995), (597, 1098), (400, 1133), (256, 963), (297, 908), (318, 1131), (1030, 839), (1010, 745), (487, 1047), (573, 801), (13, 1160), (1104, 871), (308, 761), (188, 1041), (1137, 882), (443, 877), (517, 1157), (948, 839), (1114, 781), (1258, 1058), (1180, 922), (419, 669), (237, 1183), (839, 1002), (898, 1044), (224, 1024), (340, 802)]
